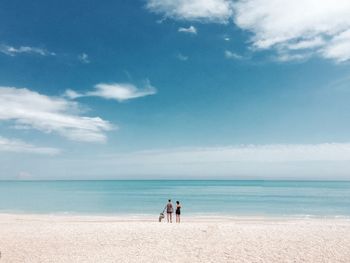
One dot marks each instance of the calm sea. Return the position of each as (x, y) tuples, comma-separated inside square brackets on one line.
[(235, 198)]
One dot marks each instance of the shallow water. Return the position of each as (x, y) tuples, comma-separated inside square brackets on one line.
[(205, 197)]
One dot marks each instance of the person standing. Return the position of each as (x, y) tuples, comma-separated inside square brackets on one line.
[(169, 211), (178, 211)]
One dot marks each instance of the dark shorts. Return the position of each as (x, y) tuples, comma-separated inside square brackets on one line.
[(178, 212)]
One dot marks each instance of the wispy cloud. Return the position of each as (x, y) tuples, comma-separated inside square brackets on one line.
[(190, 30), (319, 27), (274, 161), (13, 51), (294, 30), (18, 146), (115, 91), (282, 161), (31, 110), (182, 57), (247, 153), (232, 55), (283, 56), (218, 11), (84, 58)]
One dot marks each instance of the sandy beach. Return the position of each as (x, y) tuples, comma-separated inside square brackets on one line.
[(48, 238)]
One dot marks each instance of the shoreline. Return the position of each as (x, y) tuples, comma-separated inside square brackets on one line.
[(185, 218)]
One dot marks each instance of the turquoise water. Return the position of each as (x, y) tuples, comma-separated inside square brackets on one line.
[(272, 198)]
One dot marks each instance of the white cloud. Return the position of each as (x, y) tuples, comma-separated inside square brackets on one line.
[(286, 56), (339, 47), (190, 30), (245, 153), (320, 27), (306, 44), (18, 146), (29, 109), (218, 11), (275, 161), (84, 58), (121, 91), (115, 91), (232, 55), (294, 29), (304, 161), (13, 51), (72, 94), (182, 57)]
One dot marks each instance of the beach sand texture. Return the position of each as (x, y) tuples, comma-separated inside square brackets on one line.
[(41, 238)]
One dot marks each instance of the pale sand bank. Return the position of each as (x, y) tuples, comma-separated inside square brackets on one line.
[(44, 238)]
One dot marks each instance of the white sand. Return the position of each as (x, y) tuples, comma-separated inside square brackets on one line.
[(39, 238)]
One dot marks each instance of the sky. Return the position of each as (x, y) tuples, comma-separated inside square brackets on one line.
[(175, 89)]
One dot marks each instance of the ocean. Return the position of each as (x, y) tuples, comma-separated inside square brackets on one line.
[(198, 197)]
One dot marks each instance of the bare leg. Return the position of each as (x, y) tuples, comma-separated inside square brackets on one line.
[(171, 217), (168, 217)]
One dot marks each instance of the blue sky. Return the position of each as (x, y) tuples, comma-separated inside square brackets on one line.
[(174, 89)]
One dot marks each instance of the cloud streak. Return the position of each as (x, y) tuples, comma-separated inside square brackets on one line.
[(274, 161), (13, 51), (31, 110), (18, 146), (246, 153), (218, 11), (232, 55), (115, 91), (189, 30)]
